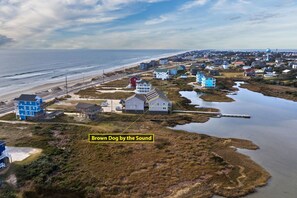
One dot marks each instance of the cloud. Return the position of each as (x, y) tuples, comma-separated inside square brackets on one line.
[(5, 40), (231, 6), (193, 3), (39, 19), (262, 17), (158, 20), (107, 24)]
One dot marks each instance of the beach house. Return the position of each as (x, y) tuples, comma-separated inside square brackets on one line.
[(225, 65), (88, 111), (133, 81), (208, 82), (158, 102), (28, 106), (135, 103), (173, 72), (162, 74), (194, 71), (163, 61), (199, 76), (4, 157), (154, 102), (214, 72), (143, 87), (249, 72), (144, 66)]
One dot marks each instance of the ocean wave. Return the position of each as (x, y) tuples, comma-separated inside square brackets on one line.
[(25, 75)]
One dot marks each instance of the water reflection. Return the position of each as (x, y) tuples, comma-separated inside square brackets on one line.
[(272, 127)]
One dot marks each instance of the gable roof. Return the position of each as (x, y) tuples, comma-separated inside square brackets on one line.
[(141, 81), (154, 94), (138, 96), (26, 97)]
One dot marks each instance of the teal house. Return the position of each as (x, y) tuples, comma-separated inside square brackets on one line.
[(208, 82), (28, 106)]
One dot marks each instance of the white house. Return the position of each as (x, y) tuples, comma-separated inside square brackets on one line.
[(158, 102), (135, 104), (225, 65), (162, 74), (143, 87), (270, 75), (163, 61), (154, 101)]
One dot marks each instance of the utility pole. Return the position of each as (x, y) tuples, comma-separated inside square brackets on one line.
[(66, 85), (103, 77)]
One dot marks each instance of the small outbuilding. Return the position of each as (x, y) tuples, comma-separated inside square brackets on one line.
[(89, 111)]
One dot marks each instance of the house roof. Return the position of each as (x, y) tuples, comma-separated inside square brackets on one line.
[(156, 93), (286, 71), (208, 77), (161, 70), (87, 106), (26, 97), (138, 96), (141, 81)]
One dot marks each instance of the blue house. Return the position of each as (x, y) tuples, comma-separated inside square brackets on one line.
[(4, 158), (173, 72), (28, 106), (199, 76), (208, 82), (144, 66), (181, 68)]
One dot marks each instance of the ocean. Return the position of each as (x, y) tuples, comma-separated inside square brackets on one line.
[(29, 68)]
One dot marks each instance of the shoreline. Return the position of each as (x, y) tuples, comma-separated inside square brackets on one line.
[(77, 79), (221, 164), (277, 91)]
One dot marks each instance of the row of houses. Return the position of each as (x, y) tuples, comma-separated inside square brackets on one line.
[(146, 66), (30, 106), (153, 63), (165, 74), (153, 102)]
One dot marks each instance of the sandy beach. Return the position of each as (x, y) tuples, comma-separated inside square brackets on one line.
[(75, 83)]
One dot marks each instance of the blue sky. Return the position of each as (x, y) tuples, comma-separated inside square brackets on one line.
[(148, 24)]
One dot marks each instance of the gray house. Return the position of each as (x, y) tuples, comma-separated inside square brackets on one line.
[(155, 102), (135, 103), (158, 102), (89, 111)]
